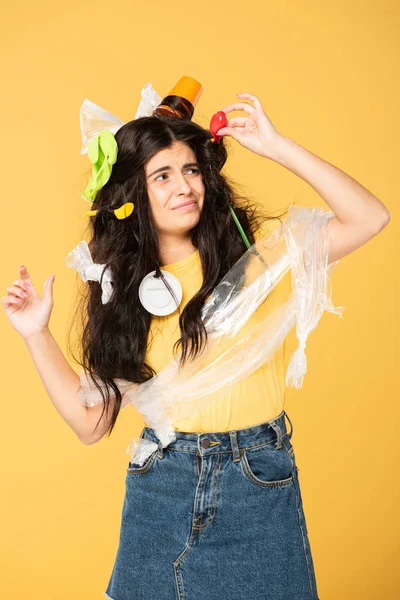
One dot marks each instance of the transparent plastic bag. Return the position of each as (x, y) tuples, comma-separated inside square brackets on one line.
[(94, 119), (90, 395), (80, 259), (241, 337)]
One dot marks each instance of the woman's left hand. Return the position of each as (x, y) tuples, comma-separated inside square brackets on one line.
[(255, 132)]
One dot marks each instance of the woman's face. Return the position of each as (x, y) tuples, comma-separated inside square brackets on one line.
[(173, 178)]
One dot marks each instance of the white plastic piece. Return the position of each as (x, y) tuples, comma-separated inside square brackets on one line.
[(242, 334), (80, 258), (94, 119)]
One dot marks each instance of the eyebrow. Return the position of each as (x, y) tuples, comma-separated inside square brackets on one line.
[(167, 168)]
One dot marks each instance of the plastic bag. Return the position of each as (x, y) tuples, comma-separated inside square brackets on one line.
[(94, 119), (241, 337), (80, 259)]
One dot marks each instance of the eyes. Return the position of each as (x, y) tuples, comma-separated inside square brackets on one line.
[(165, 174)]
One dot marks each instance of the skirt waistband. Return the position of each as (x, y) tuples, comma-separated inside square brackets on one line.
[(227, 441)]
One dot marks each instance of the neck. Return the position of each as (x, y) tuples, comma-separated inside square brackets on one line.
[(174, 248)]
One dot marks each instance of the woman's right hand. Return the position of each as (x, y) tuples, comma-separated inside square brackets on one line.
[(28, 313)]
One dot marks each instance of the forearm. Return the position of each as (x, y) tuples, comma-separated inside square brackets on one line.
[(60, 381), (352, 203)]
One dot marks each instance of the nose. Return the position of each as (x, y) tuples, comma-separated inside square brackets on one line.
[(182, 185)]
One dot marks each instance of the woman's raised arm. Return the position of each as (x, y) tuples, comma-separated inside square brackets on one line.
[(29, 315)]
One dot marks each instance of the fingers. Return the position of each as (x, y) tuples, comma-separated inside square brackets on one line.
[(23, 271), (236, 132), (8, 300), (48, 288), (236, 122), (239, 106), (21, 283), (15, 290), (244, 105), (21, 286), (18, 291), (251, 97)]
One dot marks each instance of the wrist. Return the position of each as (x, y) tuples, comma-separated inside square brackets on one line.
[(282, 149), (35, 335)]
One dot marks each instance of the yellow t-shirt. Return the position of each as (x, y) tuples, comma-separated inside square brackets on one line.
[(252, 400)]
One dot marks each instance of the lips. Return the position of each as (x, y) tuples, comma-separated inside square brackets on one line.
[(185, 204)]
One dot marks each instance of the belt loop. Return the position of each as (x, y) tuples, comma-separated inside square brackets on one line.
[(278, 431), (235, 446), (291, 426), (160, 452)]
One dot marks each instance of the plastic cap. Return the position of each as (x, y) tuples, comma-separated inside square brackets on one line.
[(187, 88)]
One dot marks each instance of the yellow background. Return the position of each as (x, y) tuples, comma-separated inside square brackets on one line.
[(327, 75)]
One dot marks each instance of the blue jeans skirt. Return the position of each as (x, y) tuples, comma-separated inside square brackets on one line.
[(215, 515)]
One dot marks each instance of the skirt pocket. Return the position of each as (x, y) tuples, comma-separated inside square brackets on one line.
[(267, 466), (136, 469)]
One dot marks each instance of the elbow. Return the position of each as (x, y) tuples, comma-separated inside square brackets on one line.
[(88, 440), (386, 217), (381, 223)]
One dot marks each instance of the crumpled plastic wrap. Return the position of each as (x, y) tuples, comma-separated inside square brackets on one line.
[(80, 259), (242, 335), (94, 119)]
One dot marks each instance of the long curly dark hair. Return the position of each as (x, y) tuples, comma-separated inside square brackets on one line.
[(113, 337)]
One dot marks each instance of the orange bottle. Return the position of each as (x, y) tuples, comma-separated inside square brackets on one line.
[(181, 100)]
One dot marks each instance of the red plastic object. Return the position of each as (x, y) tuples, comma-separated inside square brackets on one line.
[(218, 120)]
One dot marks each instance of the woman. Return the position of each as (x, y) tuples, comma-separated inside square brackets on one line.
[(219, 511)]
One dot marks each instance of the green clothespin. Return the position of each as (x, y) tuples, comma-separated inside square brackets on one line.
[(102, 152)]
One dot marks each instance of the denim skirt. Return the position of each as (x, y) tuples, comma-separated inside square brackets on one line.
[(215, 515)]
